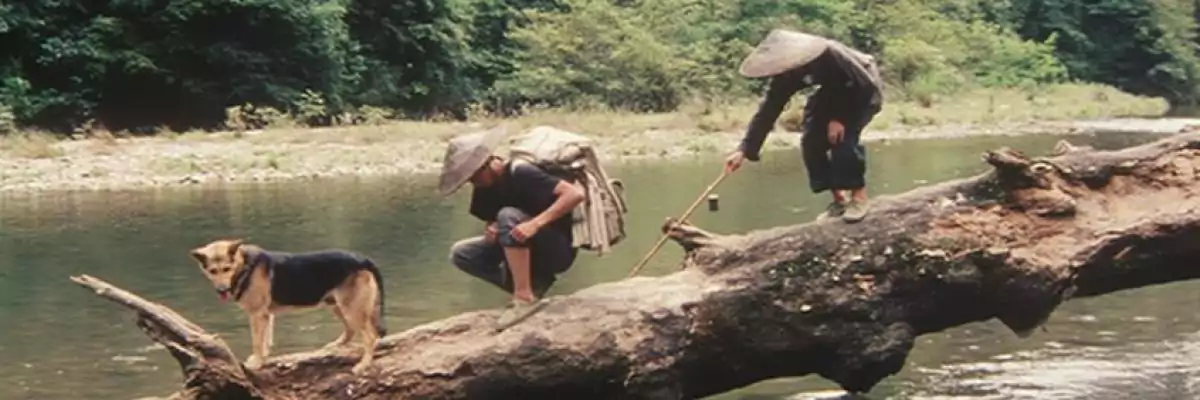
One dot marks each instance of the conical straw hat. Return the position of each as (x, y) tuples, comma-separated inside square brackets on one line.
[(465, 154), (780, 51)]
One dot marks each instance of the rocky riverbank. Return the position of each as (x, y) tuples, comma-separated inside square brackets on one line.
[(133, 163)]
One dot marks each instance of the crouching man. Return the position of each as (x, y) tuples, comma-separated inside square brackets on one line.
[(526, 211)]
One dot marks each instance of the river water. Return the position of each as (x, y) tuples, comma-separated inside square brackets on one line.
[(59, 341)]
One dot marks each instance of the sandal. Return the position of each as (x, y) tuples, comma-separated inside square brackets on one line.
[(518, 311)]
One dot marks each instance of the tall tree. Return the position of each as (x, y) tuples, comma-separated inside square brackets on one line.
[(416, 53), (1138, 45)]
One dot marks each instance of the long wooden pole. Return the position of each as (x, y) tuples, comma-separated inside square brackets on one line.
[(662, 240)]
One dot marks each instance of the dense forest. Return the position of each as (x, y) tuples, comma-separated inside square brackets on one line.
[(185, 64)]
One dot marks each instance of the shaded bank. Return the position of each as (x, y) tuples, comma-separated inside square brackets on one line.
[(842, 301)]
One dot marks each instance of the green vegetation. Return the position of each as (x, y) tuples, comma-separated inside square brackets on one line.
[(145, 66)]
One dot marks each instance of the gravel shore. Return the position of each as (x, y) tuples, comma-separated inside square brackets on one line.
[(136, 163)]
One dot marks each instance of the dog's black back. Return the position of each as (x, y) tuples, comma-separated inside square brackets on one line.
[(303, 279)]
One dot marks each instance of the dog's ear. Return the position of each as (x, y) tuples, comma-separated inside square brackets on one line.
[(198, 256), (234, 246)]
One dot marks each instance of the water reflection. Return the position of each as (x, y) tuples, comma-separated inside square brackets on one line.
[(61, 342), (1157, 370)]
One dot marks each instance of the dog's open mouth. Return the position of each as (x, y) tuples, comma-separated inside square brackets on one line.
[(223, 294)]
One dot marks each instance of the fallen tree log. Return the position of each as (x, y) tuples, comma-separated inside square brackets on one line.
[(838, 300)]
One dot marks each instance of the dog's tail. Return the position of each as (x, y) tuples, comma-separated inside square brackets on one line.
[(369, 265)]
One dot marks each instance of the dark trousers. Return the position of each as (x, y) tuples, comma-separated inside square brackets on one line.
[(550, 254), (839, 167)]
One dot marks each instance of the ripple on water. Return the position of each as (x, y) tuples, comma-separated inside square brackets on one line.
[(821, 395), (1158, 370)]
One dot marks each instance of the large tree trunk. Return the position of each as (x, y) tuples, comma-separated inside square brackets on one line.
[(838, 300)]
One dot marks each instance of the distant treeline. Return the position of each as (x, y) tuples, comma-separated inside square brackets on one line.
[(131, 64)]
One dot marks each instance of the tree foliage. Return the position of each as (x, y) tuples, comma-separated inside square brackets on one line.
[(133, 64)]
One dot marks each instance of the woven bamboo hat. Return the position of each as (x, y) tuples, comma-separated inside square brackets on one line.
[(465, 154), (781, 51)]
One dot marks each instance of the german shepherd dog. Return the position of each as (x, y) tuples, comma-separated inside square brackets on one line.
[(265, 283)]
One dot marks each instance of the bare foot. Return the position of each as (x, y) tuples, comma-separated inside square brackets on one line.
[(253, 362), (360, 367)]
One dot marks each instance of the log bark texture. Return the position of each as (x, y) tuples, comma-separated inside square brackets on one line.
[(843, 301)]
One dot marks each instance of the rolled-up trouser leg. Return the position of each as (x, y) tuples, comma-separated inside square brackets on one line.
[(481, 259), (550, 251)]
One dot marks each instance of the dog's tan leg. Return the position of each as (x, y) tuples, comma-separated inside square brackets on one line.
[(355, 300), (269, 333), (355, 318), (363, 298), (257, 356), (370, 339), (347, 333)]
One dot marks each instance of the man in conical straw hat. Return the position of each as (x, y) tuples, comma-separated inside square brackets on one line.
[(850, 95), (526, 211)]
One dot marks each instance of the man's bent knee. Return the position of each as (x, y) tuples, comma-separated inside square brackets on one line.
[(506, 221), (464, 253), (510, 217)]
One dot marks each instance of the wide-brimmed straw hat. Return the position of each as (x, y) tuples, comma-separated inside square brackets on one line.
[(465, 154), (780, 51)]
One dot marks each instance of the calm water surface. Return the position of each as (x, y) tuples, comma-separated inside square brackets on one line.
[(59, 341)]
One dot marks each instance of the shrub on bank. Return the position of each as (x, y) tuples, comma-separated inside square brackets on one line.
[(329, 62)]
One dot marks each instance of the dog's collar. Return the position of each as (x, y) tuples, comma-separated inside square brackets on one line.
[(241, 279)]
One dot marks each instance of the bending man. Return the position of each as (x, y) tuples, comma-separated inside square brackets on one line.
[(850, 95)]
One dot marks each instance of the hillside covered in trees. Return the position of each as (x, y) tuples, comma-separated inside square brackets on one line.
[(145, 64)]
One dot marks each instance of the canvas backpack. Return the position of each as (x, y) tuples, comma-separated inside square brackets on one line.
[(598, 223)]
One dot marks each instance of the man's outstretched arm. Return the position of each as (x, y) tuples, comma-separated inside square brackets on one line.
[(779, 94)]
